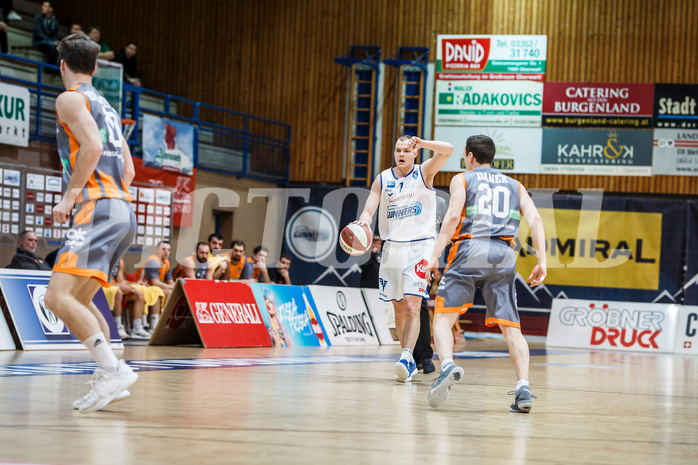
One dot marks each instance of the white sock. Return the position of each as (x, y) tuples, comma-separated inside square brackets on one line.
[(117, 320), (522, 382), (144, 320), (407, 355), (446, 362), (137, 324), (153, 321), (99, 347)]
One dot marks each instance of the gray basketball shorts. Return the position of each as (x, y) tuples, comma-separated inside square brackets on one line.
[(486, 264), (101, 232)]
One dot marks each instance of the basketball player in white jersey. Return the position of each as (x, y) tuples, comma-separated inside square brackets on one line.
[(406, 222)]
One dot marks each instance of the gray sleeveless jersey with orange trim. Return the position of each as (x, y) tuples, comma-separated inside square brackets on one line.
[(491, 206), (106, 182)]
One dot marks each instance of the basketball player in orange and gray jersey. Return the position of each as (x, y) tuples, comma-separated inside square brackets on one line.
[(482, 223), (97, 170)]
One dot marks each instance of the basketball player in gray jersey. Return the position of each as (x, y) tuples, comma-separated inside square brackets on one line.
[(482, 224), (97, 170)]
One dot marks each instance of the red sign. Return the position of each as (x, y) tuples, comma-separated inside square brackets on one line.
[(597, 104), (226, 314), (183, 186), (465, 54)]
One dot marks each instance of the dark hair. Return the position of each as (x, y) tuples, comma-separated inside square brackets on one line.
[(51, 4), (285, 255), (24, 233), (237, 242), (92, 28), (258, 249), (131, 42), (162, 242), (482, 147), (79, 53), (199, 244), (216, 235)]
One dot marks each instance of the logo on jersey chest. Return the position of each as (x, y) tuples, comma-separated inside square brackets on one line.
[(397, 213)]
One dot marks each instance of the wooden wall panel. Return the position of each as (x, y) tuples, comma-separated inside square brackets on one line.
[(274, 58)]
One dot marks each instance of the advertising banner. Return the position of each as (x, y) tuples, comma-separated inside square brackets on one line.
[(33, 325), (623, 326), (687, 331), (518, 149), (14, 115), (383, 315), (675, 152), (183, 190), (675, 106), (344, 315), (491, 57), (579, 104), (108, 80), (6, 342), (690, 287), (168, 144), (486, 103), (290, 316), (623, 152)]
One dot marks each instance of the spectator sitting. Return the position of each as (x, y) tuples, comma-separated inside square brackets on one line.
[(127, 57), (259, 264), (105, 53), (280, 274), (74, 27), (45, 34), (240, 269), (196, 265), (50, 259), (219, 260), (115, 293), (25, 258), (156, 272)]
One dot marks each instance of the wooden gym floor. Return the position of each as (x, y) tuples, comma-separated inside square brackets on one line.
[(341, 405)]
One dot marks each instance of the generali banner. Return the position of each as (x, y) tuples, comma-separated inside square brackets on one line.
[(623, 326), (491, 57), (675, 152), (606, 152), (579, 104)]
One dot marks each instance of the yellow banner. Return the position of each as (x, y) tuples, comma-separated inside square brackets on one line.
[(597, 248)]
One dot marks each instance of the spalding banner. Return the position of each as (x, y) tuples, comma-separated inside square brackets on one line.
[(624, 326), (344, 315)]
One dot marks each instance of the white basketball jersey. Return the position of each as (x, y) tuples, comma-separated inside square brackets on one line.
[(407, 209)]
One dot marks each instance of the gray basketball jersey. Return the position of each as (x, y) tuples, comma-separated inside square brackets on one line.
[(491, 206)]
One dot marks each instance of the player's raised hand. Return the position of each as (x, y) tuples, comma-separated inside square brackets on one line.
[(537, 275), (416, 143)]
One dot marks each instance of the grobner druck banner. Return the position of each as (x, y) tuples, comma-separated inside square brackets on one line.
[(579, 104), (675, 152), (608, 152), (625, 326), (491, 57), (486, 103), (14, 115), (675, 106)]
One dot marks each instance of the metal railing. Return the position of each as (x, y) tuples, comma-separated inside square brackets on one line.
[(225, 141)]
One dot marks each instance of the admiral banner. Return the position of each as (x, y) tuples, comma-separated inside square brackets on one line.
[(518, 149), (344, 315), (14, 115), (383, 314), (473, 103), (687, 331), (491, 57), (675, 106), (290, 317), (615, 249), (33, 325), (623, 326), (675, 152), (624, 152), (597, 104)]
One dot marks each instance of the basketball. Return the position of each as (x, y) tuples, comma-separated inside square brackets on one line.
[(355, 239)]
